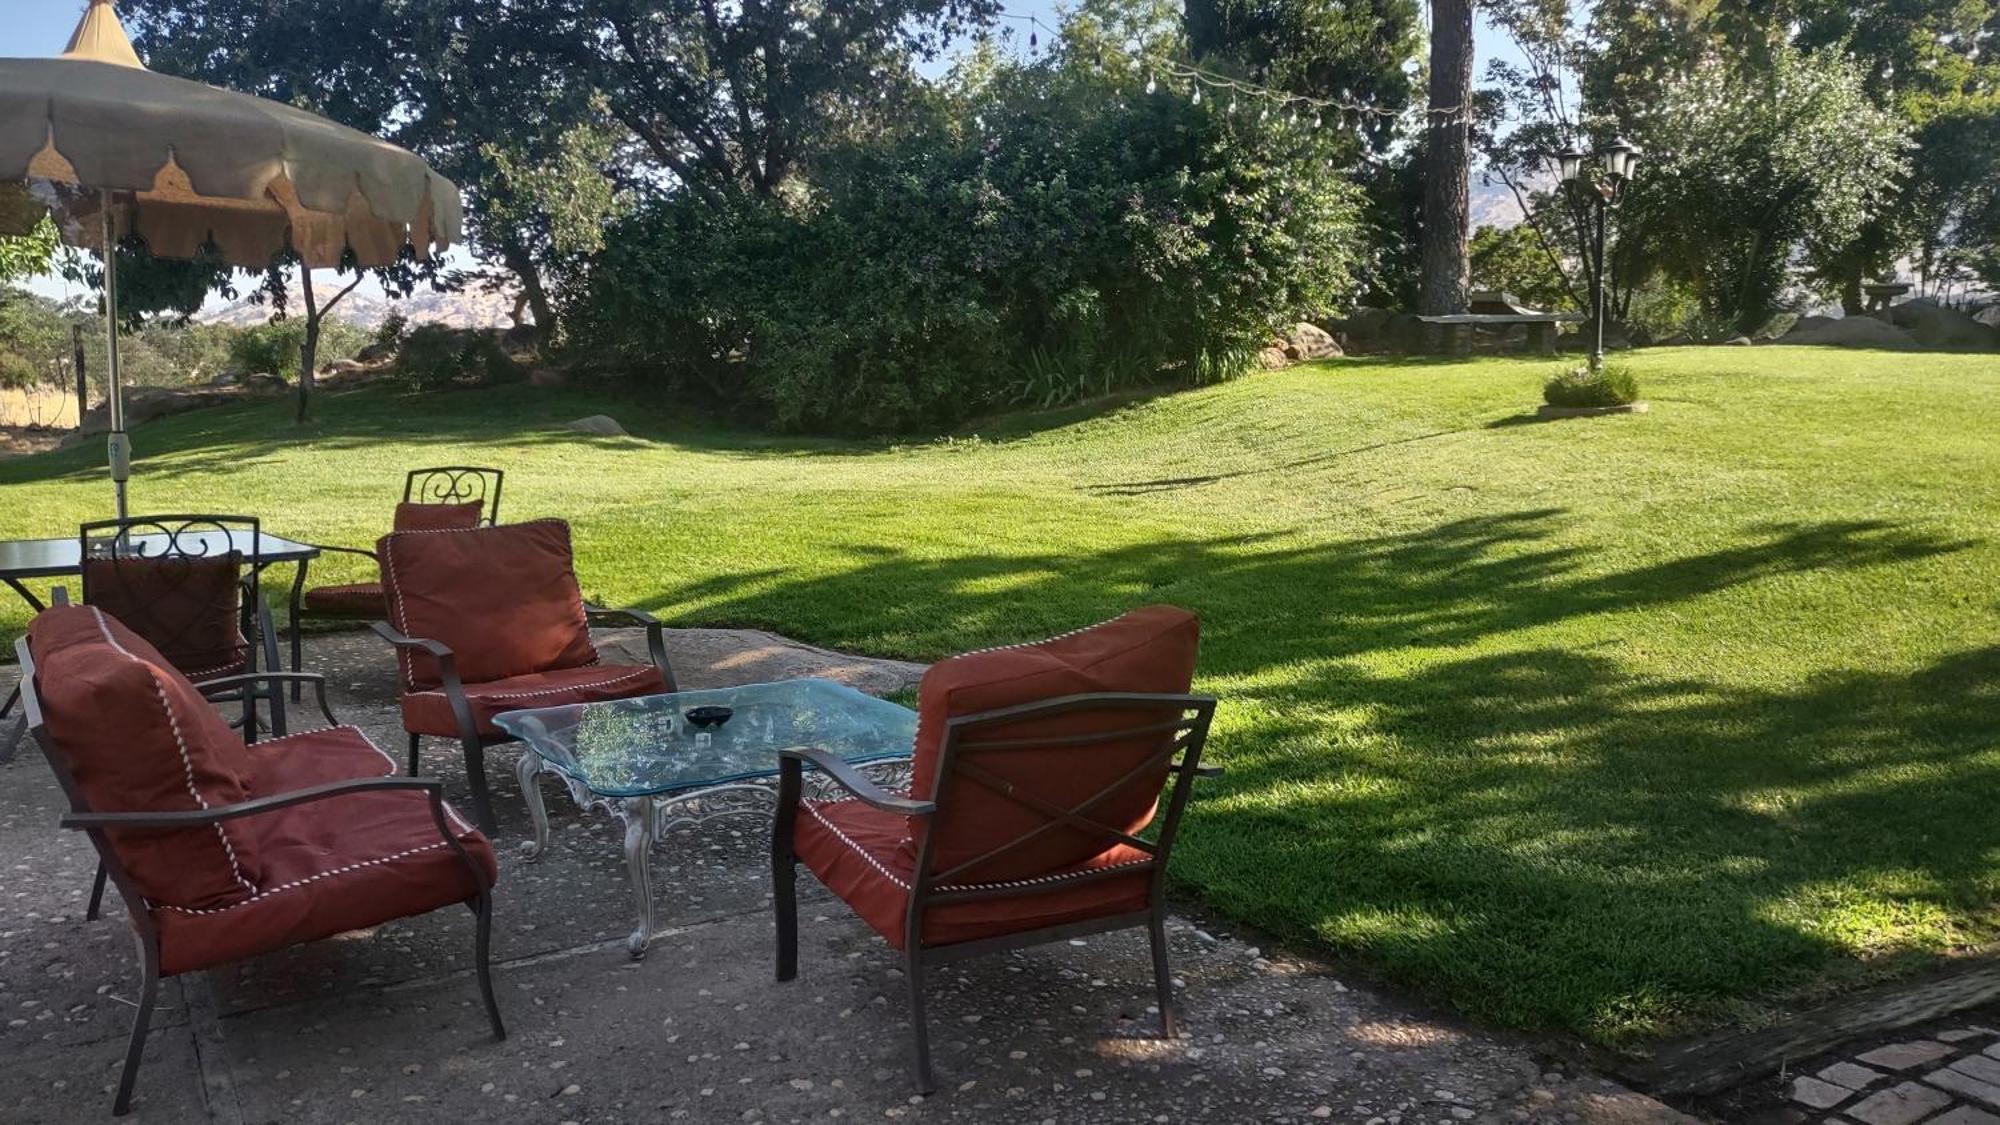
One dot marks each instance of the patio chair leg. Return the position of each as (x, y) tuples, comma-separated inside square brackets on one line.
[(141, 1021), (415, 741), (913, 968), (785, 904), (475, 772), (96, 893), (1163, 979), (482, 907)]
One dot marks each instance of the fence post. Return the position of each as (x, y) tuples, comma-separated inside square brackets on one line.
[(82, 385)]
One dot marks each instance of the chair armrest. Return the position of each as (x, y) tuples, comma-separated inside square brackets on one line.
[(437, 649), (656, 642), (196, 818), (795, 759), (318, 682), (610, 616)]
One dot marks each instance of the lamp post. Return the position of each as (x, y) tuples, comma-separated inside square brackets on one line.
[(1599, 184)]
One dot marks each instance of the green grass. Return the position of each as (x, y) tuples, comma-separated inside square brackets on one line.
[(1617, 728)]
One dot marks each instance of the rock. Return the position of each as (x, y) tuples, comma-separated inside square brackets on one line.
[(226, 379), (1934, 326), (1677, 340), (263, 382), (1989, 316), (1365, 324), (1738, 342), (376, 353), (602, 425), (143, 404), (1850, 332), (547, 377), (1313, 342), (1273, 357), (345, 366)]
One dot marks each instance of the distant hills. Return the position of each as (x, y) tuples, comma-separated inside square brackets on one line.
[(367, 307)]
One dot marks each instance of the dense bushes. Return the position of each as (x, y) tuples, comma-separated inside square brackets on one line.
[(273, 348), (1612, 385), (1045, 237)]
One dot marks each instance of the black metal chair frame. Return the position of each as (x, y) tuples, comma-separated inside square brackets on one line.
[(1183, 736), (440, 484), (254, 612), (470, 739), (96, 824)]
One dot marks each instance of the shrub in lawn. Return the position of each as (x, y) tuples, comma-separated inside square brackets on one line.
[(1044, 238), (1580, 386)]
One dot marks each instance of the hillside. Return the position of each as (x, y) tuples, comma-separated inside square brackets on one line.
[(469, 308)]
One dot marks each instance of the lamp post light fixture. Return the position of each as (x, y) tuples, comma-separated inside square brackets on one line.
[(1599, 184)]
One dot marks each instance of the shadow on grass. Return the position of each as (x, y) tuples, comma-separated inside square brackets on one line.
[(1542, 837)]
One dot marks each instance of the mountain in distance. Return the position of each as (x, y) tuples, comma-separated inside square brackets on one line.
[(367, 307)]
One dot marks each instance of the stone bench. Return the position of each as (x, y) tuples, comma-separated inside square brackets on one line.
[(1456, 329)]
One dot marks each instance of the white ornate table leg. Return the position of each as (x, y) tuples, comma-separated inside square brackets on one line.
[(641, 817), (529, 771)]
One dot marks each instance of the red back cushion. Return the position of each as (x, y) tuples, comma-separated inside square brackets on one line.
[(135, 736), (185, 607), (503, 599), (1150, 650), (412, 516)]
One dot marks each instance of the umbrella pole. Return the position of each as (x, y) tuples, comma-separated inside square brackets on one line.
[(117, 447)]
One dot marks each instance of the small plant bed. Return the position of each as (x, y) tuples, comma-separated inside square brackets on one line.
[(1584, 392)]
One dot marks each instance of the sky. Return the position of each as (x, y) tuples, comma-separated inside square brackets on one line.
[(38, 28)]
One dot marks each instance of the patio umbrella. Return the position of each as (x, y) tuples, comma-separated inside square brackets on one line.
[(111, 149)]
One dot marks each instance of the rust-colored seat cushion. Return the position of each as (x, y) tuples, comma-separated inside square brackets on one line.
[(136, 736), (187, 608), (330, 866), (356, 599), (1149, 650), (429, 712), (858, 853), (413, 516), (504, 600)]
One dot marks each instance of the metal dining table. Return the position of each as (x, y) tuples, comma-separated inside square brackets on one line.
[(22, 559)]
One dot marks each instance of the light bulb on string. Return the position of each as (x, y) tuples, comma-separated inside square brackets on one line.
[(1152, 84), (1197, 94)]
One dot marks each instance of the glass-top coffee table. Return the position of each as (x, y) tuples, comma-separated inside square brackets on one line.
[(639, 758)]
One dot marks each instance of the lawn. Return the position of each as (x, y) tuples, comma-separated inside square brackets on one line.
[(1616, 728)]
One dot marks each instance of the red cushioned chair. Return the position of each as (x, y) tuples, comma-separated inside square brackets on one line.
[(189, 585), (1036, 769), (447, 497), (224, 850), (492, 620)]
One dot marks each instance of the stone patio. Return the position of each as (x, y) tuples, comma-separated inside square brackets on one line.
[(384, 1026)]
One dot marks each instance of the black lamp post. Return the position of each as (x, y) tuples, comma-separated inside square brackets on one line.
[(1599, 185)]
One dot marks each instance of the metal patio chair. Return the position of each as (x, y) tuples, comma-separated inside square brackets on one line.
[(189, 585), (492, 620), (224, 850), (444, 497), (1036, 770)]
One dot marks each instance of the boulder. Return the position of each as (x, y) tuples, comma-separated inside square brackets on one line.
[(547, 377), (1939, 328), (1677, 340), (1364, 324), (600, 425), (1738, 342), (1989, 316), (1850, 332), (263, 382), (143, 404), (1273, 357), (1313, 342), (376, 353)]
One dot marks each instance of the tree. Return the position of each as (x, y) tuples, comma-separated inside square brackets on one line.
[(1448, 160), (1355, 52), (1752, 165), (28, 254)]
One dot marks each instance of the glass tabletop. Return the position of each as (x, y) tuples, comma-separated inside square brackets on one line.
[(647, 746)]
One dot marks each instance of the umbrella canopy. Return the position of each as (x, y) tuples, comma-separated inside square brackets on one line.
[(194, 165), (111, 149)]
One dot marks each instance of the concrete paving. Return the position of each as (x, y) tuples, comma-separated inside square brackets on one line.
[(385, 1026)]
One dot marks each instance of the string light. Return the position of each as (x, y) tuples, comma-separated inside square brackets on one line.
[(1346, 110)]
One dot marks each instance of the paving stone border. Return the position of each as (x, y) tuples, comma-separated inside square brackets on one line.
[(1946, 1073)]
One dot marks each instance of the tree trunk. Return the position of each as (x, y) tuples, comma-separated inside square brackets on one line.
[(1448, 161), (1850, 294), (522, 265), (309, 349)]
